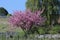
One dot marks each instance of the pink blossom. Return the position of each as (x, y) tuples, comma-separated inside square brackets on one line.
[(27, 19)]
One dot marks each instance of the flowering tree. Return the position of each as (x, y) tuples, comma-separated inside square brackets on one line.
[(27, 19)]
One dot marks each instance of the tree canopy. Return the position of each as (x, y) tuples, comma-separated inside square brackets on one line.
[(3, 11), (33, 4), (51, 7)]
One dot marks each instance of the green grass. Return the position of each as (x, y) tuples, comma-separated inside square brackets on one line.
[(4, 25)]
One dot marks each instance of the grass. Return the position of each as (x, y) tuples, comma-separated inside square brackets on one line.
[(4, 27)]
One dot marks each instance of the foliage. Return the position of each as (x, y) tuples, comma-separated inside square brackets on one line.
[(52, 7), (9, 14), (3, 11), (42, 30), (27, 20), (33, 5), (55, 30)]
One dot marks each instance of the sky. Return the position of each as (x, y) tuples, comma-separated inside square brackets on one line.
[(13, 5)]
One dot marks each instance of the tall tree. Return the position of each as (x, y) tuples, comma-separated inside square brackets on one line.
[(33, 4), (51, 8)]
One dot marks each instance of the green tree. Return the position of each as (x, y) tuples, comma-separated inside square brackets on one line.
[(51, 8), (33, 4), (3, 11)]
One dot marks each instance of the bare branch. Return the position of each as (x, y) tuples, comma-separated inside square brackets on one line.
[(43, 10)]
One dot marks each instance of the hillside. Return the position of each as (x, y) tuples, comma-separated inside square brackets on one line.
[(4, 25)]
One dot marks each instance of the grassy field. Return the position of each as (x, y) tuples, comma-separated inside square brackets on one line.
[(5, 26)]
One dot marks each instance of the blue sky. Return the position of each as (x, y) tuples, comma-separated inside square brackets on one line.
[(12, 5)]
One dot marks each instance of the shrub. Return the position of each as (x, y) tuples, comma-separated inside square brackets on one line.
[(55, 29)]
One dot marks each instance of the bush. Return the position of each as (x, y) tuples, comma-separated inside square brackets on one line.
[(41, 30), (55, 30)]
